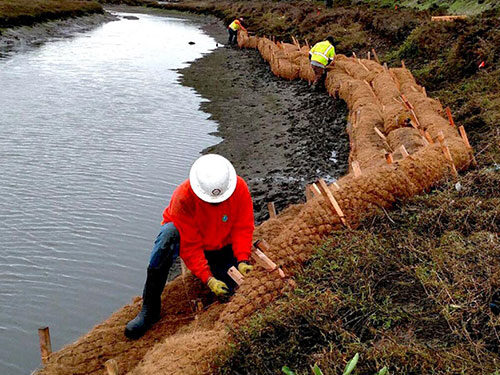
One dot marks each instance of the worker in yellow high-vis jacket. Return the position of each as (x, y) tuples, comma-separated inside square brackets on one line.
[(233, 30), (321, 55)]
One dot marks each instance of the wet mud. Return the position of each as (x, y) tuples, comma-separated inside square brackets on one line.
[(280, 135), (21, 38)]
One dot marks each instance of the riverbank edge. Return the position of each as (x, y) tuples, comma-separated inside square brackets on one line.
[(450, 187), (27, 14)]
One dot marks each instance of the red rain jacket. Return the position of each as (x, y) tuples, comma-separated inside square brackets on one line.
[(209, 227)]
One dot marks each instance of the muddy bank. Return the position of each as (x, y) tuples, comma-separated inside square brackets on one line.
[(280, 135), (21, 38)]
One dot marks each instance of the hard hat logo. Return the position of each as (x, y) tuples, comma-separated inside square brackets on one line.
[(213, 178)]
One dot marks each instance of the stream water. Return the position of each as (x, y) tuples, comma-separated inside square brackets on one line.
[(95, 134)]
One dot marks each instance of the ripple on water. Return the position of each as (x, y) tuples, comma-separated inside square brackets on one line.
[(96, 132)]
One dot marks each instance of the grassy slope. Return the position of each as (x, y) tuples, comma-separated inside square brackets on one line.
[(22, 12), (410, 293), (413, 294), (469, 7)]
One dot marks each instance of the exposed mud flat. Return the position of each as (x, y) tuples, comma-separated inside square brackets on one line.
[(279, 135), (21, 38)]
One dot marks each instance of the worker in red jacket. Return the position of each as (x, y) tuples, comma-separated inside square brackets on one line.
[(209, 223)]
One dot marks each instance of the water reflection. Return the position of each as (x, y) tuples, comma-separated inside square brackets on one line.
[(95, 133)]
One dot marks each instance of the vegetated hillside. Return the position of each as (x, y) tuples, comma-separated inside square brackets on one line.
[(469, 7), (408, 290), (23, 12)]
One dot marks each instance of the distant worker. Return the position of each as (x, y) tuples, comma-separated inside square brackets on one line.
[(321, 55), (209, 222), (233, 30)]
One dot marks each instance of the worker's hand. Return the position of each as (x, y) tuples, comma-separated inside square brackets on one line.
[(218, 287), (245, 268)]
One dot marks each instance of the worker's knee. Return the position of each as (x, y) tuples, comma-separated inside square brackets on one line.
[(166, 246)]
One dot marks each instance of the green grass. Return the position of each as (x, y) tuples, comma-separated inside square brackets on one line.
[(467, 7), (409, 292), (23, 12)]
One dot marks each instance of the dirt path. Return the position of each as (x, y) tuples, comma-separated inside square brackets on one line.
[(280, 135)]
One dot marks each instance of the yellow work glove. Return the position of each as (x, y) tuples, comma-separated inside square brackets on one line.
[(218, 287), (245, 268)]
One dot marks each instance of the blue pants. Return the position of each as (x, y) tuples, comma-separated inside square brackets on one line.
[(233, 36), (166, 250)]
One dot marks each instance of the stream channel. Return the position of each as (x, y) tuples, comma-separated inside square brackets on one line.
[(95, 134)]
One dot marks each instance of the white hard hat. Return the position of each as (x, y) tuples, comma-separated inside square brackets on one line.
[(212, 178)]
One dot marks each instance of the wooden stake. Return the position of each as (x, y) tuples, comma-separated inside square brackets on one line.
[(354, 55), (403, 151), (235, 275), (111, 367), (428, 137), (448, 18), (379, 133), (258, 255), (375, 56), (272, 210), (373, 92), (183, 269), (363, 65), (45, 344), (403, 64), (446, 152), (356, 169), (315, 190), (309, 193), (385, 67), (463, 134), (262, 245), (261, 258), (369, 55), (327, 194), (418, 125), (424, 91), (406, 101), (450, 117), (388, 158), (383, 137)]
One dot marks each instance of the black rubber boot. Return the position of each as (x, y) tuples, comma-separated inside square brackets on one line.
[(151, 304)]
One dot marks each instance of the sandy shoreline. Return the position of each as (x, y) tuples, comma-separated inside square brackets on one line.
[(280, 135)]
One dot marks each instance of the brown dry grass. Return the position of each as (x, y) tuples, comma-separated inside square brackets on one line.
[(19, 12)]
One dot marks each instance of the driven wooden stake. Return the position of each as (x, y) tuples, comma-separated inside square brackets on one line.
[(45, 344), (463, 134), (111, 367), (403, 64), (448, 18), (258, 255), (428, 137), (183, 269), (446, 152), (327, 194), (383, 137), (375, 56), (235, 275), (388, 158), (403, 151), (272, 210), (356, 169), (450, 117)]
